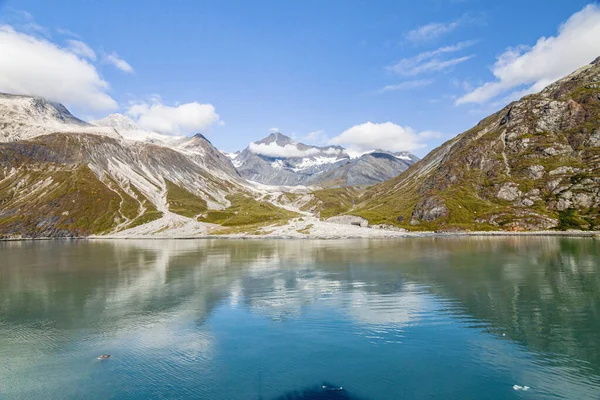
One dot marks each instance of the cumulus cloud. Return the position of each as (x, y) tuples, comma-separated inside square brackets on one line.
[(115, 60), (35, 66), (81, 49), (431, 61), (577, 43), (174, 120), (274, 150), (274, 130), (386, 136), (406, 85)]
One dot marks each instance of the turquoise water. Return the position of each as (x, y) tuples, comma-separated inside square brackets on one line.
[(451, 318)]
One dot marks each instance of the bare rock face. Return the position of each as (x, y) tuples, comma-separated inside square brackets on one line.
[(594, 139), (388, 227), (429, 209), (509, 192), (280, 160), (520, 168), (535, 171), (349, 220), (522, 220), (564, 171)]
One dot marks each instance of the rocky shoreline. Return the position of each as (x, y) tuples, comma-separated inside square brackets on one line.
[(391, 235)]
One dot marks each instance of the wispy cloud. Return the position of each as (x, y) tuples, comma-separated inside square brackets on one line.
[(24, 22), (430, 61), (316, 138), (81, 49), (525, 70), (434, 30), (406, 85), (118, 62), (431, 31), (67, 32)]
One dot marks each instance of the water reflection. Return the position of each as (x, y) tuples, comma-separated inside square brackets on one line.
[(155, 297)]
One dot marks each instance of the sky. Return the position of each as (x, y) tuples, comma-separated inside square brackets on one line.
[(397, 75)]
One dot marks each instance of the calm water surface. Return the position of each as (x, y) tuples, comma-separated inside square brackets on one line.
[(450, 318)]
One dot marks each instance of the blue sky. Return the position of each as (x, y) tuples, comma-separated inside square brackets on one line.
[(313, 69)]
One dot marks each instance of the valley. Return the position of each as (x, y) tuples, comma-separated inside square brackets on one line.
[(533, 166)]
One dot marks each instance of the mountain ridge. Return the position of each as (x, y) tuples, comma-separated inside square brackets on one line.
[(280, 160), (535, 164)]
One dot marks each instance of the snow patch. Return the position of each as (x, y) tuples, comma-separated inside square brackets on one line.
[(315, 162), (278, 164)]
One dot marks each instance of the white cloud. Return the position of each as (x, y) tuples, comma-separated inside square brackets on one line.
[(577, 43), (23, 21), (315, 138), (430, 61), (431, 31), (274, 150), (35, 66), (434, 30), (81, 49), (114, 59), (180, 119), (371, 136), (67, 32), (405, 85), (274, 130)]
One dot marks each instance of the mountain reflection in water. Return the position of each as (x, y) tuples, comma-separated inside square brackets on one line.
[(200, 318)]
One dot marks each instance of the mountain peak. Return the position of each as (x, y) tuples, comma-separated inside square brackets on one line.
[(118, 122), (201, 136), (277, 138)]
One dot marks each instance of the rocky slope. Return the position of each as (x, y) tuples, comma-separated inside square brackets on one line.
[(24, 117), (60, 176), (280, 160), (533, 165)]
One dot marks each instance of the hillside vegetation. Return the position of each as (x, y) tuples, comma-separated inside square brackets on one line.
[(533, 165)]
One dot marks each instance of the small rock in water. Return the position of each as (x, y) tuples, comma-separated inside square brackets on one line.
[(517, 387)]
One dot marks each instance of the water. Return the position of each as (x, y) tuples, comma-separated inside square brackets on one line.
[(451, 318)]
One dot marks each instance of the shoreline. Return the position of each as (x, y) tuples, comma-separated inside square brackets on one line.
[(392, 235)]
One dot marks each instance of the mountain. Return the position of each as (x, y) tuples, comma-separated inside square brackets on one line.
[(23, 117), (119, 122), (127, 128), (280, 160), (198, 147), (533, 165), (201, 150), (60, 176)]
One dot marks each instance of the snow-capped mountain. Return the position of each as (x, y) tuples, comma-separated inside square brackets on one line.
[(201, 150), (73, 178), (118, 122), (128, 129), (280, 160), (25, 117)]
